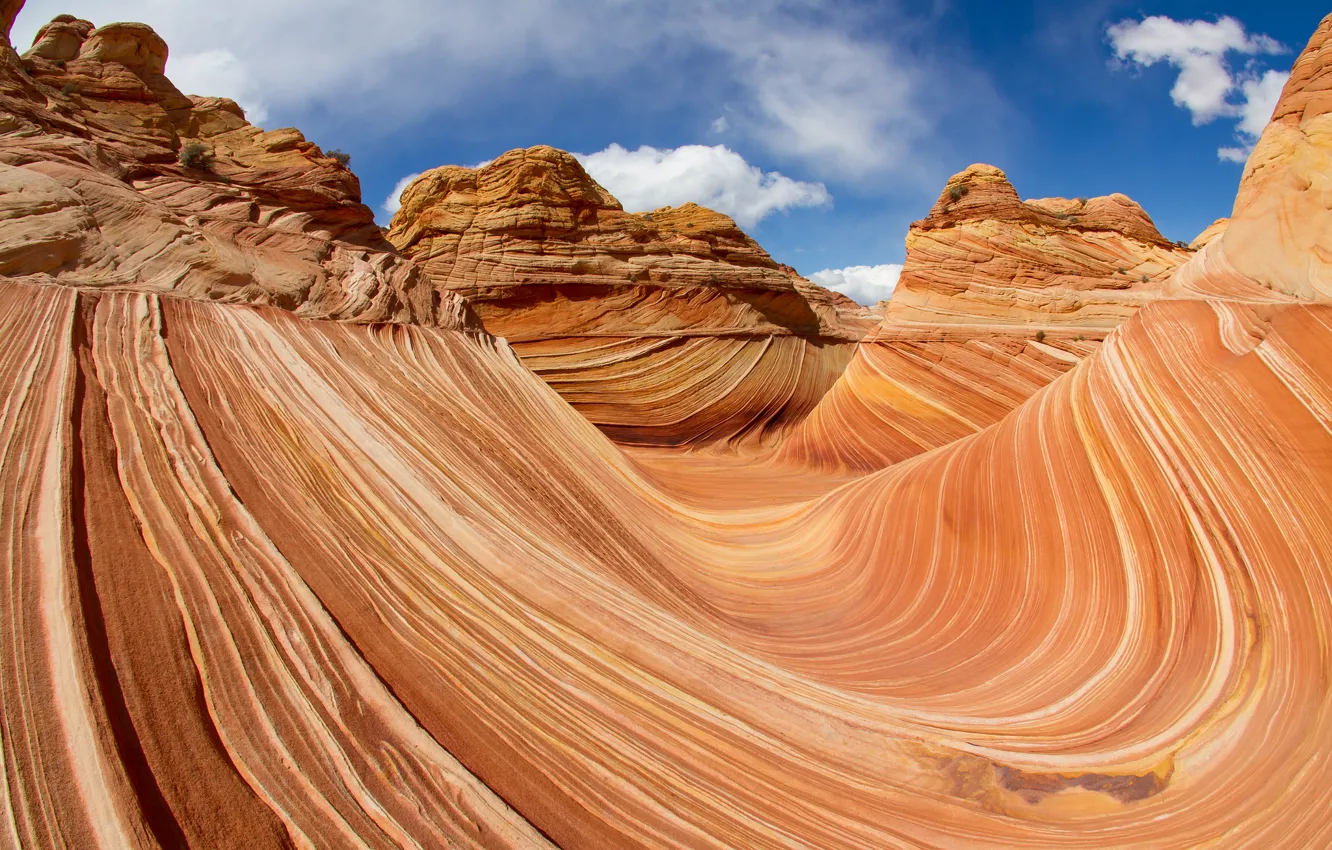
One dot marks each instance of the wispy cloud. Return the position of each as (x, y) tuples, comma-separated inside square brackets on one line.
[(713, 176), (824, 95), (866, 285), (1207, 85)]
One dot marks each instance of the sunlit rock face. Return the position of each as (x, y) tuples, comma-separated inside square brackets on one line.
[(276, 580), (998, 297), (95, 191), (665, 328), (983, 256), (1276, 244)]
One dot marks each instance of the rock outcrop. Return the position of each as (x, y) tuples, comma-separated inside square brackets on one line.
[(665, 328), (272, 581), (1286, 181), (998, 297), (984, 256), (95, 192)]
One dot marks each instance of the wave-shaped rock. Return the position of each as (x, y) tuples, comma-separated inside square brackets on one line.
[(668, 328), (998, 297), (271, 580)]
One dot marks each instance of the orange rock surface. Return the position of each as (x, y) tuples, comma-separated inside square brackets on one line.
[(92, 192), (1286, 180), (983, 256), (997, 298), (277, 580), (665, 328)]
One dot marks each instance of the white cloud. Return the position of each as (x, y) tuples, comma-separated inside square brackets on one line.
[(218, 73), (1206, 85), (866, 285), (393, 202), (807, 82), (715, 177), (721, 124), (1260, 101), (826, 96)]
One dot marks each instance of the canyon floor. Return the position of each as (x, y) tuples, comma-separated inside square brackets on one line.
[(529, 521)]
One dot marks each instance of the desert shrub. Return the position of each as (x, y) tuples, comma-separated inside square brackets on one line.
[(195, 155), (69, 89), (1040, 336), (343, 158), (957, 193), (1121, 270), (1082, 202)]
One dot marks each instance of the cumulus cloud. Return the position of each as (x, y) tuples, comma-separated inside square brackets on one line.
[(806, 82), (1260, 101), (713, 176), (1207, 86), (866, 285), (393, 202)]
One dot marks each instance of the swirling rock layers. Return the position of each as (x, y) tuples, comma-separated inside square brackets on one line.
[(665, 328), (271, 580), (997, 298)]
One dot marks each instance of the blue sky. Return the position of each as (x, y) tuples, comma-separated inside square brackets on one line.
[(864, 108)]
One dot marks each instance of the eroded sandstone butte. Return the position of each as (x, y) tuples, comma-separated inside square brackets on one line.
[(664, 328), (272, 580), (998, 297), (95, 194), (984, 256)]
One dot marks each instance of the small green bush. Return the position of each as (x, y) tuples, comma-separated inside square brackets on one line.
[(342, 157), (69, 89), (957, 193), (195, 155), (1082, 202), (1040, 336), (1121, 270)]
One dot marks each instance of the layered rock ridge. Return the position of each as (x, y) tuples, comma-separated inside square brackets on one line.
[(110, 177), (983, 256), (668, 328), (998, 297)]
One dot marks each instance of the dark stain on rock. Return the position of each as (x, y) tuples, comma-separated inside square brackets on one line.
[(1126, 788)]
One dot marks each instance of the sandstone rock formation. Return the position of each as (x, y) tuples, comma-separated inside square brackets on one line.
[(272, 580), (1285, 180), (93, 191), (668, 328), (983, 256), (997, 298)]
